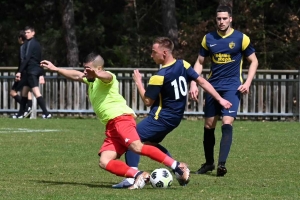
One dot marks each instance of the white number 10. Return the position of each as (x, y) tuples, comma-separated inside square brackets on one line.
[(182, 87)]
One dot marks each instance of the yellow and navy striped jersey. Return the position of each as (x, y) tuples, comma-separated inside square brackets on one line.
[(169, 89), (226, 54)]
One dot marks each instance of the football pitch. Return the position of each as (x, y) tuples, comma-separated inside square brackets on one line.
[(57, 159)]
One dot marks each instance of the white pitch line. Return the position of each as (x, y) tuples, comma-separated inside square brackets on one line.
[(25, 130)]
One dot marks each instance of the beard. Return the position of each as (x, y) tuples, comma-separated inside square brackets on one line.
[(90, 79), (223, 30)]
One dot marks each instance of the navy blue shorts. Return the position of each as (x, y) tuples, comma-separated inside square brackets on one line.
[(152, 130), (213, 108)]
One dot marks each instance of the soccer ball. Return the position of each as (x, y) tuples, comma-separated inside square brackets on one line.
[(161, 178)]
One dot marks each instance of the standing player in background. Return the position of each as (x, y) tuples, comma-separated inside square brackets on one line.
[(110, 107), (166, 93), (30, 71), (226, 48), (19, 83)]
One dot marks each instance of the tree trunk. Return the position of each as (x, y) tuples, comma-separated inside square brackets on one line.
[(69, 31), (169, 20)]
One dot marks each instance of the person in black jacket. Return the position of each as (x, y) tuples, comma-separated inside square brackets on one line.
[(19, 83), (30, 71)]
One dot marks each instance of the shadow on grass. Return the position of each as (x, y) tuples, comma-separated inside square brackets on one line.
[(91, 185), (206, 174)]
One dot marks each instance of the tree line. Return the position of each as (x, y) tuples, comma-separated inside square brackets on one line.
[(122, 31)]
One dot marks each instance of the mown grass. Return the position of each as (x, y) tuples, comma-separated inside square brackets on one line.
[(57, 159)]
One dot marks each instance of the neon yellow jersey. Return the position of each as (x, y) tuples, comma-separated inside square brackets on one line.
[(106, 100)]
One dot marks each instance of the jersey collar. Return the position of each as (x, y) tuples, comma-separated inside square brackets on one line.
[(169, 64), (225, 36)]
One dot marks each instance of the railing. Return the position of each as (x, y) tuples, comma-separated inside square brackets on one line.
[(274, 94)]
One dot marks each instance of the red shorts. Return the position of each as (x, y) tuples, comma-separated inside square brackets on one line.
[(120, 133)]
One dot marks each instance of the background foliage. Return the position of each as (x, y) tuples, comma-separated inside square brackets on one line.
[(122, 32)]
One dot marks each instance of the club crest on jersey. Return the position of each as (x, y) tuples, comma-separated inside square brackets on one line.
[(231, 45)]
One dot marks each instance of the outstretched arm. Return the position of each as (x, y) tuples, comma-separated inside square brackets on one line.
[(102, 75), (68, 73)]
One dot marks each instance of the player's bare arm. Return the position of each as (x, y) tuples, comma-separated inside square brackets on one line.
[(193, 86), (71, 74), (137, 77), (100, 74), (244, 89), (211, 90), (104, 76)]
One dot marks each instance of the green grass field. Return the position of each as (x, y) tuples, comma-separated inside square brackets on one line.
[(57, 159)]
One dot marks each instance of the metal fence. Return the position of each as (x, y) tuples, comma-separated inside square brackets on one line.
[(274, 94)]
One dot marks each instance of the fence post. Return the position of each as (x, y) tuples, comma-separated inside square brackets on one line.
[(34, 112)]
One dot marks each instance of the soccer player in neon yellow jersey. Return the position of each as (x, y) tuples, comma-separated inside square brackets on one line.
[(119, 119)]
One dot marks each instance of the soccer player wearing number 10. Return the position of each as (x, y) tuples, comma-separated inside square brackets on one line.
[(166, 93)]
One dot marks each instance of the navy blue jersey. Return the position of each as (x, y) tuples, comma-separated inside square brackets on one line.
[(169, 89), (226, 54)]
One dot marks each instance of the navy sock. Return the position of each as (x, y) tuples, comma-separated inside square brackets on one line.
[(177, 169), (163, 149), (132, 159), (209, 144), (225, 143)]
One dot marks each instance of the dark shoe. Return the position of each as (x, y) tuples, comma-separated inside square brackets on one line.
[(205, 168), (221, 171)]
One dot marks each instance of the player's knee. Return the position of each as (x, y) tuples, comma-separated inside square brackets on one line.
[(136, 146), (211, 122), (227, 120), (13, 93), (103, 162), (209, 126)]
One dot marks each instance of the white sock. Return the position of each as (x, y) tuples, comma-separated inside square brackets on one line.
[(174, 164), (131, 180)]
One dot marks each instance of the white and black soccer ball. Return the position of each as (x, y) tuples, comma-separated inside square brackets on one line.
[(161, 178)]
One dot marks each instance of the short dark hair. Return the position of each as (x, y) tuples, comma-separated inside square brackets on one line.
[(223, 8), (22, 35), (95, 58), (28, 28), (164, 42), (91, 57)]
